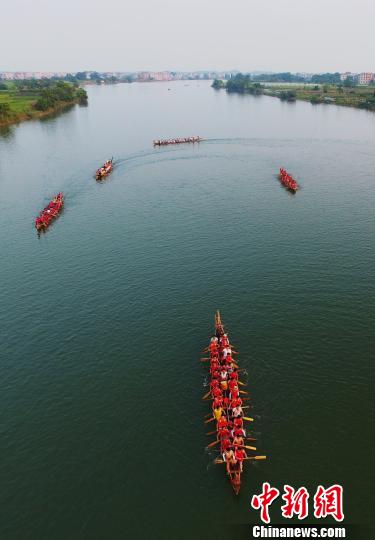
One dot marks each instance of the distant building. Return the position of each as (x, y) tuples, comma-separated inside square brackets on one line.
[(144, 76), (366, 78), (22, 75), (344, 76), (161, 76)]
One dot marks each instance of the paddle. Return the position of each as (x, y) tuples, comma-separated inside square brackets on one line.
[(255, 458), (247, 438), (248, 418), (212, 444), (206, 395), (211, 433), (244, 392), (209, 420)]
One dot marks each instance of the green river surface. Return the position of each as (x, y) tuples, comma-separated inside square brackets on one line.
[(104, 317)]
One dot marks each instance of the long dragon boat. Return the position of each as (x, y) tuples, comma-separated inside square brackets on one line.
[(180, 140), (287, 180), (49, 213), (105, 169), (227, 408)]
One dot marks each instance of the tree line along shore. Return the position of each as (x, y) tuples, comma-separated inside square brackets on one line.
[(28, 99), (347, 93)]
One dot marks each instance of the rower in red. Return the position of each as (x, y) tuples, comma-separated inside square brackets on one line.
[(217, 402), (222, 422), (216, 392), (238, 422), (238, 432), (224, 342), (238, 441), (236, 402), (234, 393), (240, 455)]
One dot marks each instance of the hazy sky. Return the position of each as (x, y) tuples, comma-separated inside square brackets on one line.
[(126, 35)]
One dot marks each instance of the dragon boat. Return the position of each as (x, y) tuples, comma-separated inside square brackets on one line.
[(49, 213), (180, 140), (226, 398), (287, 180), (105, 170)]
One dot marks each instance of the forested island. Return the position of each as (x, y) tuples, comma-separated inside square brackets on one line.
[(28, 99), (327, 88)]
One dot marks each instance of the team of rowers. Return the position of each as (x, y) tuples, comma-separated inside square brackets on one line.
[(49, 212), (180, 140), (288, 180), (105, 169), (227, 405)]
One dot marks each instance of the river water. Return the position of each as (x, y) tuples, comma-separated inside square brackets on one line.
[(104, 317)]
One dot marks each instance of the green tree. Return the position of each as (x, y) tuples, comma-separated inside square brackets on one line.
[(315, 99), (81, 75), (82, 96), (61, 92), (349, 82), (5, 110), (288, 95), (218, 84)]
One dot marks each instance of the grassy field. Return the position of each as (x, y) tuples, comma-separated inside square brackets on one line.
[(23, 100), (358, 96), (20, 104)]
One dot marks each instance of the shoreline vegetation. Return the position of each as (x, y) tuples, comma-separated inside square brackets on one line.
[(33, 99), (328, 91)]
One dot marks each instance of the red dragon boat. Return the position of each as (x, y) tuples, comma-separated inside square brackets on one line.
[(181, 140), (50, 212), (105, 170), (227, 409), (287, 180)]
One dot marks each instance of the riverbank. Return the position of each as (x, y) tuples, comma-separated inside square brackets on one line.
[(31, 100), (360, 97), (36, 115)]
